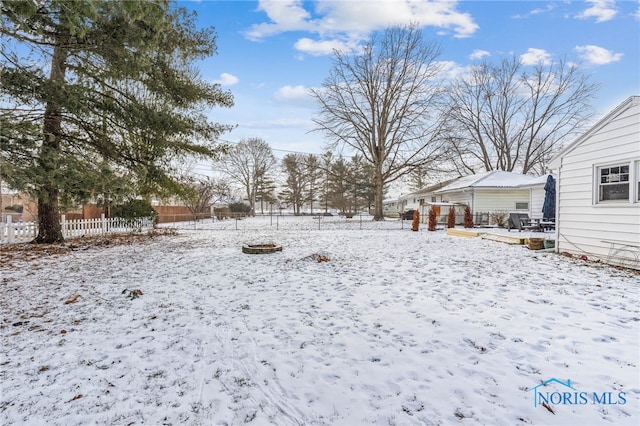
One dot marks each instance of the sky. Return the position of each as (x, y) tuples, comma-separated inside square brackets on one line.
[(271, 52)]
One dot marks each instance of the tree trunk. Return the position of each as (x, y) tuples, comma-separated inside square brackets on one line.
[(378, 212), (49, 229)]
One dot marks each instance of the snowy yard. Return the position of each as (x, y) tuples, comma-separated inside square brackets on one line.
[(396, 328)]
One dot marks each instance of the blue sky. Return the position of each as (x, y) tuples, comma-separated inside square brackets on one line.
[(271, 52)]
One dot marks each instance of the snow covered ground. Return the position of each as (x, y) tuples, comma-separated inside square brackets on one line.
[(396, 328)]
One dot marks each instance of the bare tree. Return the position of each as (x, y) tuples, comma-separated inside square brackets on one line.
[(503, 117), (200, 193), (380, 103), (247, 164)]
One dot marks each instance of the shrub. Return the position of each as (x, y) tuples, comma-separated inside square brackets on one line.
[(468, 217), (134, 209), (451, 218), (433, 219), (222, 212), (416, 221), (499, 218), (239, 208)]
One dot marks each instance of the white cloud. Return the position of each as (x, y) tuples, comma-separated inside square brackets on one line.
[(346, 23), (549, 7), (535, 56), (601, 10), (450, 70), (227, 79), (364, 17), (298, 95), (285, 15), (291, 92), (478, 54), (316, 48), (597, 55)]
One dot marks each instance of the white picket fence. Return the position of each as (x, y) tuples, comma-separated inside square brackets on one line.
[(22, 232)]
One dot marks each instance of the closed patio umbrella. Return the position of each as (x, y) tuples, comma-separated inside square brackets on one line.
[(549, 206)]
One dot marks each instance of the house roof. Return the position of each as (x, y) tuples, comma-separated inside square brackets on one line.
[(428, 190), (628, 103), (536, 181), (492, 179)]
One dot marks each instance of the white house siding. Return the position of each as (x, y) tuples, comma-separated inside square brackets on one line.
[(457, 197), (500, 200), (584, 226), (536, 201)]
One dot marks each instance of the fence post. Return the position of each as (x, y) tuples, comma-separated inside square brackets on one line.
[(9, 229), (103, 224), (63, 225)]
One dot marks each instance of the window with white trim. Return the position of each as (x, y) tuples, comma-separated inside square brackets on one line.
[(613, 183), (522, 205)]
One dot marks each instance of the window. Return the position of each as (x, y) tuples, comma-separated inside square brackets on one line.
[(613, 183), (522, 206)]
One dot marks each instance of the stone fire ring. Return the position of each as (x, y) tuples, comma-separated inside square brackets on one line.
[(261, 248)]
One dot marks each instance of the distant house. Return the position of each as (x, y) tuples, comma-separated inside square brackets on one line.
[(536, 195), (21, 207), (413, 200), (598, 189), (485, 193), (492, 192)]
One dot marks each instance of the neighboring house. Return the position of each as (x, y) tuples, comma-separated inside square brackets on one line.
[(598, 189), (414, 200), (390, 207), (492, 192), (485, 193), (536, 195), (20, 207)]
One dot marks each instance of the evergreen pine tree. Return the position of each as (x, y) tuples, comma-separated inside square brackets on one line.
[(451, 218), (468, 217), (106, 84)]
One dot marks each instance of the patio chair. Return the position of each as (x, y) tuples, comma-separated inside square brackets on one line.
[(521, 221)]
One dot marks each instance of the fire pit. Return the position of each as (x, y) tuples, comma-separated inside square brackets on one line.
[(261, 248)]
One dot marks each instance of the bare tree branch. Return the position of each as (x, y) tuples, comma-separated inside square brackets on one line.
[(381, 103)]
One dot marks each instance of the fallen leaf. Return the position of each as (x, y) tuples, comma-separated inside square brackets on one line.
[(545, 405), (74, 299)]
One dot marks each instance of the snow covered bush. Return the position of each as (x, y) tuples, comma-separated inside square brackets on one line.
[(433, 220), (468, 217), (415, 225), (451, 218)]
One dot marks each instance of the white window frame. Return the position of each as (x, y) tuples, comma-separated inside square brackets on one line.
[(631, 179)]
